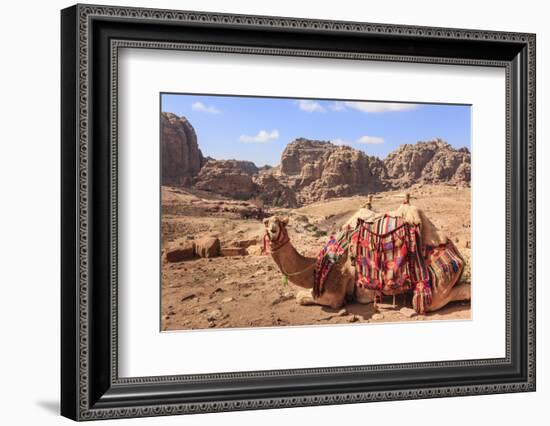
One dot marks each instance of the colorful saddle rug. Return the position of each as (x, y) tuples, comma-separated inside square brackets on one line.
[(444, 265), (330, 254), (389, 258)]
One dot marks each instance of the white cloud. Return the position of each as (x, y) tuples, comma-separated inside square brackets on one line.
[(262, 136), (310, 106), (199, 106), (337, 106), (379, 107), (370, 140), (366, 107)]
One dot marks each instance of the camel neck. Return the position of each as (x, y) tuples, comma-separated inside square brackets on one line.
[(297, 268)]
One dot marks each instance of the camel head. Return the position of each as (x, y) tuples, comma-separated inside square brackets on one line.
[(274, 226)]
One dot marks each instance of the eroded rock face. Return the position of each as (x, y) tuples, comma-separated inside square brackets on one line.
[(302, 152), (180, 154), (272, 192), (309, 170), (318, 170), (230, 178), (247, 167), (428, 162)]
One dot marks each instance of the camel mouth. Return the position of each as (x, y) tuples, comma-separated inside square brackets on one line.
[(272, 233)]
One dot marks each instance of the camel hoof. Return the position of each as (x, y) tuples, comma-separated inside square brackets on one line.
[(304, 297)]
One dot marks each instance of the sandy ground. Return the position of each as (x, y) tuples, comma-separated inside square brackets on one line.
[(248, 291)]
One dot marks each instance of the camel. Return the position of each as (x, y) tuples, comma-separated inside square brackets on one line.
[(299, 269), (340, 282)]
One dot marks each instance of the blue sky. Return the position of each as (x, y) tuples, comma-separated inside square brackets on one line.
[(258, 129)]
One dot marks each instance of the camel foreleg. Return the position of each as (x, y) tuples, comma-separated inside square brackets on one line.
[(334, 301)]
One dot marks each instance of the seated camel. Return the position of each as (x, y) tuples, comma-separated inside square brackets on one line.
[(340, 281)]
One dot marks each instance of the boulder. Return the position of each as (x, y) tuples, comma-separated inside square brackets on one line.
[(233, 251), (207, 247), (179, 250)]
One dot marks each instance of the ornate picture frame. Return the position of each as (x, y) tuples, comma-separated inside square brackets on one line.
[(91, 37)]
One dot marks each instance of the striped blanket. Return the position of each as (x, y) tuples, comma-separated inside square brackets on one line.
[(389, 259)]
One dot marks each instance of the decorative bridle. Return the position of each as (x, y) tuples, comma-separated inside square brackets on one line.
[(277, 244), (281, 240)]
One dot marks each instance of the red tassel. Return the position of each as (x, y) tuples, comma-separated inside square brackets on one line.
[(422, 298), (266, 239)]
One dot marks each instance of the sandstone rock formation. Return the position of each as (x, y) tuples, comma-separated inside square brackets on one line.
[(180, 154), (180, 250), (313, 170), (247, 167), (272, 192), (230, 178), (207, 247), (318, 170), (428, 162), (233, 251), (302, 152), (309, 170)]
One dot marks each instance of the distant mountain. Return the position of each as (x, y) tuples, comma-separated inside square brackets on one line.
[(310, 170)]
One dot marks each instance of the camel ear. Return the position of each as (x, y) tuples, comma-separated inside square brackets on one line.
[(285, 220), (266, 222)]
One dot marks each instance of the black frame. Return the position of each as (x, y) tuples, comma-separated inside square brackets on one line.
[(90, 386)]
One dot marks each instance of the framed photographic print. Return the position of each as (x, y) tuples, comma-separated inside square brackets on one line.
[(263, 212)]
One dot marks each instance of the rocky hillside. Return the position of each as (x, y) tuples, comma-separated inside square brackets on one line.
[(180, 154), (318, 170), (230, 178), (309, 170), (428, 162)]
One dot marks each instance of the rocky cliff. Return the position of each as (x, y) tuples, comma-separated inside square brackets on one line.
[(180, 154), (318, 170), (428, 162), (230, 178), (309, 170)]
